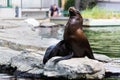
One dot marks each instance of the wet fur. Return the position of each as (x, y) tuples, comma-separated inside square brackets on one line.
[(75, 37)]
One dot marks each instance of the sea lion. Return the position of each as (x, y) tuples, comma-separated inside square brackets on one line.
[(75, 37), (74, 43)]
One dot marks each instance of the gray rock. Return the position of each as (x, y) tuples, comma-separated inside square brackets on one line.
[(28, 62), (114, 66), (6, 54), (32, 21), (22, 37), (116, 60), (75, 68), (103, 58), (47, 24), (31, 63)]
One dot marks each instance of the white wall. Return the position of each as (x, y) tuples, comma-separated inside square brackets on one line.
[(7, 12), (3, 3), (110, 0), (48, 3), (31, 3), (110, 6), (16, 3), (34, 3)]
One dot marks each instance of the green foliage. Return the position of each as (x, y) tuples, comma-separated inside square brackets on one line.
[(104, 40), (59, 3), (98, 13), (87, 4), (69, 3), (83, 4)]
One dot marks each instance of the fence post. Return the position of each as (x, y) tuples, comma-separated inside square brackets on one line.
[(8, 3)]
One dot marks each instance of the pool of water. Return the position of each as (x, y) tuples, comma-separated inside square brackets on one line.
[(104, 40)]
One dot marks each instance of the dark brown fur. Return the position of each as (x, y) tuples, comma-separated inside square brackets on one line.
[(60, 49), (75, 37)]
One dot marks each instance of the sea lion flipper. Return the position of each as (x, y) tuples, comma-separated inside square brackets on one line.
[(63, 58), (47, 53), (89, 54)]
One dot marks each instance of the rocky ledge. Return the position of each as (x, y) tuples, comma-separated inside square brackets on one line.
[(29, 64)]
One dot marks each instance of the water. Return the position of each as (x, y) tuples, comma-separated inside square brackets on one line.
[(9, 77), (104, 40)]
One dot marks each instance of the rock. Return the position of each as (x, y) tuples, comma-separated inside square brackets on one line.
[(116, 60), (5, 60), (113, 67), (32, 22), (29, 63), (48, 24), (75, 68), (6, 54), (103, 58), (22, 37)]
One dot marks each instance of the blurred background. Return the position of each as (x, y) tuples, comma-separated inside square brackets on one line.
[(90, 8)]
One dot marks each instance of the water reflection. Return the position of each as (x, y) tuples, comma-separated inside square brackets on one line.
[(50, 30), (8, 77), (104, 40)]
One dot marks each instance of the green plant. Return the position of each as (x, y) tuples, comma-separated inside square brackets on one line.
[(68, 4), (59, 3), (97, 13), (87, 4)]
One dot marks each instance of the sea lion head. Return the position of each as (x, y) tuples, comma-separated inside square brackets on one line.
[(74, 12), (75, 16)]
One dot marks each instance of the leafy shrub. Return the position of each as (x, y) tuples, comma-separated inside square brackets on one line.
[(98, 13), (68, 4), (87, 4)]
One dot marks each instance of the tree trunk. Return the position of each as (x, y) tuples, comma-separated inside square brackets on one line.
[(77, 4)]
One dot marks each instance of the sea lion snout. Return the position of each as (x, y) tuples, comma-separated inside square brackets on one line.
[(73, 11)]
